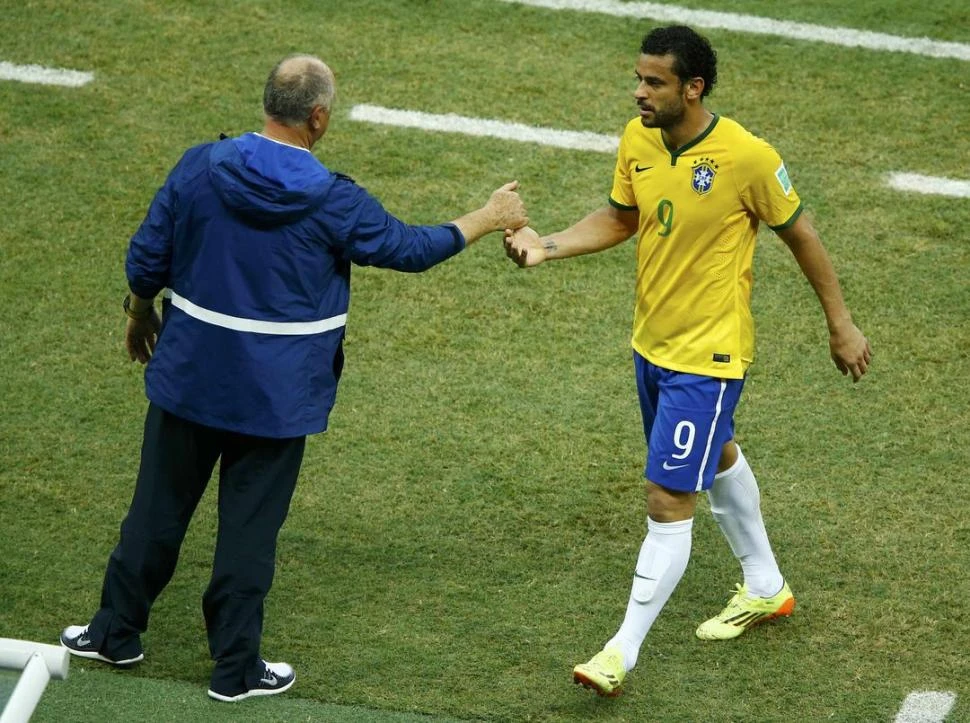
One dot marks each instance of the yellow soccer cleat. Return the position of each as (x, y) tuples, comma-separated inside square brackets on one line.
[(604, 673), (744, 611)]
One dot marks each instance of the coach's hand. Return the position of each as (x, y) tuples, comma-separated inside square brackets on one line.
[(140, 336), (504, 209), (507, 207)]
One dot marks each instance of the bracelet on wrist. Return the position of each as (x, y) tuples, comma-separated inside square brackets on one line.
[(131, 313)]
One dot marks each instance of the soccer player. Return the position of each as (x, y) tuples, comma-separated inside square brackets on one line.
[(694, 187)]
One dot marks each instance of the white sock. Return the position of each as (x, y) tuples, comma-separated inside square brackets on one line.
[(736, 505), (660, 565)]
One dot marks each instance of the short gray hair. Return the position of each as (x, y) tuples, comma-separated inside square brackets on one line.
[(295, 85)]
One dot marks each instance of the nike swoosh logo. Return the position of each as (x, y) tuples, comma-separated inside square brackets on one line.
[(638, 169), (671, 467), (82, 641), (270, 680)]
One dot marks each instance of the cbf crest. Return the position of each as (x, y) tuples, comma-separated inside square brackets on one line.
[(702, 175)]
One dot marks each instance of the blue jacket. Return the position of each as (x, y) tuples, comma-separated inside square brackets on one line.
[(252, 241)]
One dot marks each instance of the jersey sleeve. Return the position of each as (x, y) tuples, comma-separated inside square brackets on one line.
[(768, 192), (622, 194)]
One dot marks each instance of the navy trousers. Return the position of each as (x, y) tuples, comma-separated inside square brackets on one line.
[(257, 476)]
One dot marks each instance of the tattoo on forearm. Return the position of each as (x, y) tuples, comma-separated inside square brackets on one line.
[(549, 245)]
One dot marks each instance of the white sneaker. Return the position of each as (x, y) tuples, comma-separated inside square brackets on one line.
[(75, 639), (277, 677)]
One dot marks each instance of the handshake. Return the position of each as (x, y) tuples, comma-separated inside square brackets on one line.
[(506, 212)]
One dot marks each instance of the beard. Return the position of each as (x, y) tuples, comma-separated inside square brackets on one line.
[(666, 117)]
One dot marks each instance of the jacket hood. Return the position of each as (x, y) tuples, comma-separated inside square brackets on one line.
[(267, 183)]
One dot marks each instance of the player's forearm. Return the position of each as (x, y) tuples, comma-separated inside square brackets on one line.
[(598, 231), (826, 286), (817, 267)]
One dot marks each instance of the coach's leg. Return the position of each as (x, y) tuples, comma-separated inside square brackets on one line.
[(256, 482), (177, 458)]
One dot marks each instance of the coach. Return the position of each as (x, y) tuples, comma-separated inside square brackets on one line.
[(250, 241)]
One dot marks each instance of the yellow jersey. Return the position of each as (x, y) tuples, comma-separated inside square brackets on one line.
[(700, 206)]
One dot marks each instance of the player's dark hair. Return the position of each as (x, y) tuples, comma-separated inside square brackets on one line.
[(693, 55), (291, 92)]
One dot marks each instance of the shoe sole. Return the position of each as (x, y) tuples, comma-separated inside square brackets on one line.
[(580, 679), (250, 693), (103, 659)]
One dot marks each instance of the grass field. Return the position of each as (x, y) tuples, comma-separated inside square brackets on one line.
[(466, 531)]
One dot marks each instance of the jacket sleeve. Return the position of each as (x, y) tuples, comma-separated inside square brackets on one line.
[(150, 249), (370, 236)]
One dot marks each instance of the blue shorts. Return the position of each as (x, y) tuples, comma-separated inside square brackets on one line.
[(687, 418)]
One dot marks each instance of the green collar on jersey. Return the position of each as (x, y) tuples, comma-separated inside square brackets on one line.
[(676, 153)]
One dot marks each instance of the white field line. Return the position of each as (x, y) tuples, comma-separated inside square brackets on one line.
[(585, 141), (930, 185), (925, 707), (44, 76), (761, 26), (451, 123)]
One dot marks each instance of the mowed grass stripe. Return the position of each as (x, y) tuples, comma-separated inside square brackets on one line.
[(848, 37), (94, 693)]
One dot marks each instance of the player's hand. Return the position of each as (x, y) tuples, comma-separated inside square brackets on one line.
[(524, 247), (140, 337), (850, 351), (507, 208)]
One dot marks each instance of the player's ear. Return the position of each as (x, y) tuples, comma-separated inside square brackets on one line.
[(695, 87)]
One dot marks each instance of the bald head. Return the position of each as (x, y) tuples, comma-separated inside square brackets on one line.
[(295, 86)]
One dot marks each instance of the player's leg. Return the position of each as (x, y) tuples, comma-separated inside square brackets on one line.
[(177, 458), (691, 421), (257, 478), (736, 506), (660, 565), (684, 423)]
